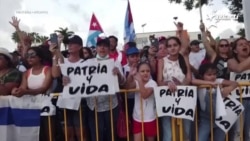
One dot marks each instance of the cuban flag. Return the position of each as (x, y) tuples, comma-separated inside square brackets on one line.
[(129, 31), (20, 117), (95, 30)]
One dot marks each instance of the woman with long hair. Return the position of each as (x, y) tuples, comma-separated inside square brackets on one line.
[(37, 80), (239, 64), (173, 70), (219, 56)]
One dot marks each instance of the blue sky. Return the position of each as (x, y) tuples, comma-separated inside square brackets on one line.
[(158, 14)]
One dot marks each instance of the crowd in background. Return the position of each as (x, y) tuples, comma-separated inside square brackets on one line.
[(167, 61)]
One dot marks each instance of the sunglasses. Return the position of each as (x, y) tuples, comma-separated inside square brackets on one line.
[(224, 45), (30, 55)]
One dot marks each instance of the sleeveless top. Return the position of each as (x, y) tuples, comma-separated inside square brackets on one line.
[(221, 65), (172, 69), (36, 81)]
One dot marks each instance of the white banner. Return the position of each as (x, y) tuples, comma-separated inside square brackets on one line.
[(180, 104), (220, 106), (47, 109), (241, 77), (90, 78), (233, 110)]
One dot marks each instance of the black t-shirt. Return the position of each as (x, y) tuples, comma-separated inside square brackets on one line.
[(221, 65)]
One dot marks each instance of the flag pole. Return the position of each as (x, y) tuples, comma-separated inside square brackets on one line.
[(200, 8)]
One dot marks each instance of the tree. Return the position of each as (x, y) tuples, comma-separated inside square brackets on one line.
[(34, 37), (42, 39), (234, 6), (190, 4), (65, 33), (15, 36), (241, 32)]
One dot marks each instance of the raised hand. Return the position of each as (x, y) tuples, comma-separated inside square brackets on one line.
[(53, 48), (15, 22), (133, 70), (208, 33), (137, 77), (202, 27), (179, 26), (60, 38)]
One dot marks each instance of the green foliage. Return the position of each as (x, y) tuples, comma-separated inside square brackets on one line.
[(65, 33), (234, 6), (35, 37), (241, 32)]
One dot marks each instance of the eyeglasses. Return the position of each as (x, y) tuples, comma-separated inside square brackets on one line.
[(224, 45), (30, 55)]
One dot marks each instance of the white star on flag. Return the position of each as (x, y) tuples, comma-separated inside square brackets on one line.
[(94, 24)]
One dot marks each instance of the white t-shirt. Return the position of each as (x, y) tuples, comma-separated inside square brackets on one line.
[(202, 93), (195, 58), (69, 103), (149, 109), (21, 68)]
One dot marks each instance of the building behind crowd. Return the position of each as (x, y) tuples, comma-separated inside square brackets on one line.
[(142, 39)]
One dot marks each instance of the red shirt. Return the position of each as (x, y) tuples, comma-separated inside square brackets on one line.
[(115, 56)]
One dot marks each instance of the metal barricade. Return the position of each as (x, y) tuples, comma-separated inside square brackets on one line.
[(176, 124)]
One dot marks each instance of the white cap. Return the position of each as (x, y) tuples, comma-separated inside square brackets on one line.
[(5, 52)]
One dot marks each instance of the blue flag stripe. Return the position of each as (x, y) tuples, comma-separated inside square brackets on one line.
[(20, 117)]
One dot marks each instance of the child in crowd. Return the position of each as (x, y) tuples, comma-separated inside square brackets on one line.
[(140, 78), (208, 77), (133, 55)]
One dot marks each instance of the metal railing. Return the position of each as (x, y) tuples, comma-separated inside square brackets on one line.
[(176, 124)]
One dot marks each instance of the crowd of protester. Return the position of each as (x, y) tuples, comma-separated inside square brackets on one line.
[(173, 61)]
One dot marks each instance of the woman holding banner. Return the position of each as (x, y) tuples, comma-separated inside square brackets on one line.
[(174, 70), (240, 64), (73, 114), (101, 105)]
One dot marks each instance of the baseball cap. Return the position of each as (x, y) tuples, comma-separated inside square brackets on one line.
[(5, 52), (195, 42), (103, 41), (75, 39), (132, 50)]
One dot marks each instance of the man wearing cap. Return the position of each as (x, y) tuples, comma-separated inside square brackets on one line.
[(9, 76), (114, 53), (101, 104), (197, 55)]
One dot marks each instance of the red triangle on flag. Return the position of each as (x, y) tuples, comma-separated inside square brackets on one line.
[(94, 24)]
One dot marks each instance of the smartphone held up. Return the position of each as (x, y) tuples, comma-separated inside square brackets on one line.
[(54, 39)]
